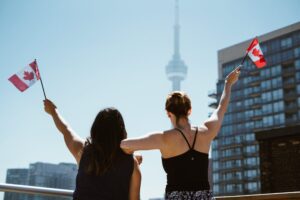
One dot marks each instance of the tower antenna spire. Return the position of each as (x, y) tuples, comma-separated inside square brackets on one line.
[(176, 69)]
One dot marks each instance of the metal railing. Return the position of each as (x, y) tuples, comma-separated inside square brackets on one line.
[(4, 187)]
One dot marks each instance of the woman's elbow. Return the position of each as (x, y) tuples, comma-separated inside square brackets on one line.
[(125, 147)]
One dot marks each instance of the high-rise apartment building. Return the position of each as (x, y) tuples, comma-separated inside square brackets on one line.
[(262, 99)]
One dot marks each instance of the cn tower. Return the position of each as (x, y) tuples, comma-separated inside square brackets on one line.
[(176, 69)]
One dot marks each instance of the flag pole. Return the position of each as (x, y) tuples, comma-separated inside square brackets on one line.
[(244, 58), (41, 82)]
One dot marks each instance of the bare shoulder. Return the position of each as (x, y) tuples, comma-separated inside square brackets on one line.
[(203, 131), (169, 134)]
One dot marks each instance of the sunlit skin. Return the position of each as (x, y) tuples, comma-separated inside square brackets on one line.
[(75, 144), (171, 144)]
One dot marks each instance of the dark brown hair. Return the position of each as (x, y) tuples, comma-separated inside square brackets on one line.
[(179, 104), (107, 132)]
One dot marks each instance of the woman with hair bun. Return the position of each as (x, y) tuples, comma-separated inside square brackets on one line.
[(185, 148)]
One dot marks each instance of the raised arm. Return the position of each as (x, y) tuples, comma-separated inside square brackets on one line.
[(213, 124), (74, 143), (148, 142)]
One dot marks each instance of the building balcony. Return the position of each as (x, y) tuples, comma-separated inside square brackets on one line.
[(291, 108), (231, 157), (291, 83), (213, 104), (212, 94), (288, 72), (255, 81), (248, 154), (250, 166), (290, 96), (255, 93), (291, 121), (258, 117), (254, 73)]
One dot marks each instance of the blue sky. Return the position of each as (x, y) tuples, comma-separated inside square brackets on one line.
[(94, 54)]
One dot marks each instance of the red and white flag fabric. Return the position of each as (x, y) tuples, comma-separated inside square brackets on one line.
[(255, 53), (26, 77)]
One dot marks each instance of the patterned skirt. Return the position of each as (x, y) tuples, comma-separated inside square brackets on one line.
[(190, 195)]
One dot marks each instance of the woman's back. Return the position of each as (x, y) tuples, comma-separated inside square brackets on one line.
[(186, 167), (177, 143), (111, 185)]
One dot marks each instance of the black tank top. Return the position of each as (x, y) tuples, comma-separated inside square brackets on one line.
[(112, 185), (187, 171)]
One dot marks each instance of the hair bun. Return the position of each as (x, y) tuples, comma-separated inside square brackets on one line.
[(178, 103)]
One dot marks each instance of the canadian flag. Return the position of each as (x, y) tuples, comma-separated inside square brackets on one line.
[(255, 53), (26, 77)]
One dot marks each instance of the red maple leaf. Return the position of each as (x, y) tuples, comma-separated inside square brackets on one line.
[(256, 52), (28, 76)]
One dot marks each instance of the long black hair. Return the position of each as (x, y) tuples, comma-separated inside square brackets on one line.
[(107, 132)]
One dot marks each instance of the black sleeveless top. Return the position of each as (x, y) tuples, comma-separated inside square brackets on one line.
[(112, 185), (187, 171)]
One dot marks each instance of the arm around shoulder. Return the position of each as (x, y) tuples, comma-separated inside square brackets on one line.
[(148, 142)]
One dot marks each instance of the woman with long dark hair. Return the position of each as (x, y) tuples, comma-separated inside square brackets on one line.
[(185, 148), (105, 171)]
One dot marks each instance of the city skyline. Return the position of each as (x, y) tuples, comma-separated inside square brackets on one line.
[(49, 175), (96, 54)]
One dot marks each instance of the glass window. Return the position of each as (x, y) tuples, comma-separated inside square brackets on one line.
[(258, 124), (266, 85), (297, 64), (277, 82), (267, 109), (279, 119), (215, 165), (251, 161), (287, 55), (278, 106), (216, 188), (298, 76), (277, 94), (250, 173), (250, 137), (275, 45), (298, 89), (267, 96), (250, 149), (252, 186), (286, 42), (268, 121), (297, 38), (248, 102), (265, 72), (249, 114), (215, 177), (276, 70), (249, 125), (297, 52)]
